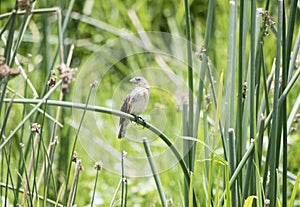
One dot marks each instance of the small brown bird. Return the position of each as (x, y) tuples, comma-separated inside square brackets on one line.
[(135, 102)]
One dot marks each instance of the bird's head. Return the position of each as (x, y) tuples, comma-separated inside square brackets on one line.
[(140, 81)]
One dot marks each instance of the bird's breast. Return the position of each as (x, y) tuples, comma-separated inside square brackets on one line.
[(139, 101)]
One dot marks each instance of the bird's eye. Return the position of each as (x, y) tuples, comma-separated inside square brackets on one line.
[(138, 79)]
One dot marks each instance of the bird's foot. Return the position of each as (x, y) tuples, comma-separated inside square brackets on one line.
[(139, 119)]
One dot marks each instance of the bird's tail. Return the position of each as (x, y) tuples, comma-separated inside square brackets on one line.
[(122, 131)]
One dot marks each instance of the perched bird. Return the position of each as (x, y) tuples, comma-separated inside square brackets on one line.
[(135, 102)]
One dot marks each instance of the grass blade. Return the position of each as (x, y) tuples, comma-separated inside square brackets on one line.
[(155, 173), (275, 129)]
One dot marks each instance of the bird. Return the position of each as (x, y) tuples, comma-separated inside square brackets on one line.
[(135, 102)]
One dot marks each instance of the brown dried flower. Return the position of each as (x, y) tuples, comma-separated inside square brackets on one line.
[(35, 127), (6, 71), (98, 165), (74, 156)]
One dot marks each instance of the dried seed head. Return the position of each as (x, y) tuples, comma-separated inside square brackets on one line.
[(52, 81), (7, 72), (267, 203), (200, 54), (35, 127), (94, 84), (294, 130), (297, 118), (244, 92), (170, 202), (55, 141), (81, 167), (67, 76), (4, 71), (25, 5), (124, 153), (74, 156), (98, 165), (268, 22)]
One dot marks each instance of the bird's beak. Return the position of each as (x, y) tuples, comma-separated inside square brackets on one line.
[(133, 80)]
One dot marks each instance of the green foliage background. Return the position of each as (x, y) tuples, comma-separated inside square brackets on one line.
[(37, 51)]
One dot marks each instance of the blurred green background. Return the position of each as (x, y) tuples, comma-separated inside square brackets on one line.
[(104, 34)]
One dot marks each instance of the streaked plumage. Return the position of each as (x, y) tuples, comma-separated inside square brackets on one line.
[(135, 102)]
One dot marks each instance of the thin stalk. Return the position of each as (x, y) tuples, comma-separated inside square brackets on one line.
[(20, 163), (294, 192), (230, 75), (190, 165), (4, 28), (272, 149), (116, 193), (6, 116), (190, 66), (121, 114), (8, 173), (207, 37), (208, 162), (241, 70), (252, 68), (232, 165), (30, 203), (11, 32), (266, 83), (289, 86), (95, 187), (37, 160), (284, 94), (126, 192), (248, 182), (39, 197), (293, 112), (57, 49), (155, 174), (258, 145), (31, 163), (63, 67), (7, 53), (252, 116), (123, 154), (228, 187), (294, 55), (40, 110), (23, 12), (239, 168), (30, 114), (74, 184), (260, 138), (286, 48), (186, 146), (92, 86), (210, 181), (217, 99), (24, 25), (290, 32)]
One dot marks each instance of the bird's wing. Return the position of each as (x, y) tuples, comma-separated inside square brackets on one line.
[(126, 104), (126, 107)]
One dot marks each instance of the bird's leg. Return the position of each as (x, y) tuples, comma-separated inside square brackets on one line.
[(139, 119)]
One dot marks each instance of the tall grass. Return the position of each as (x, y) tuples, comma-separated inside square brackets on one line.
[(235, 127)]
